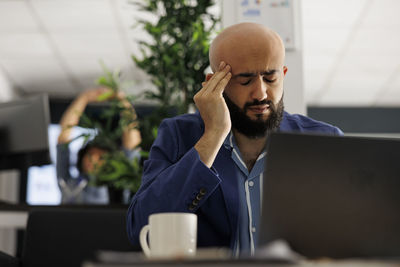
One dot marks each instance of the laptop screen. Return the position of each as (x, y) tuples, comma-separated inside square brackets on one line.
[(332, 196)]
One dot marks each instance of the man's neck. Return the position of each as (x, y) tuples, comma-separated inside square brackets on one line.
[(250, 148)]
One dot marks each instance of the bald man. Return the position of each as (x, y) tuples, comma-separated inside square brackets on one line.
[(211, 163)]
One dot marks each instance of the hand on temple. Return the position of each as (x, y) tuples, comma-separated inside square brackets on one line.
[(215, 114)]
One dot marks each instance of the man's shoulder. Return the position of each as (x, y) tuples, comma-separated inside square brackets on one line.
[(301, 123), (180, 132), (186, 127), (186, 120)]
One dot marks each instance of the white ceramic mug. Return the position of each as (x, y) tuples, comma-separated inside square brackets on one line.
[(171, 235)]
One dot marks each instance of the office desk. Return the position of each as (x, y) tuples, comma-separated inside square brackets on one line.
[(253, 263), (13, 219), (15, 216), (188, 264), (218, 257)]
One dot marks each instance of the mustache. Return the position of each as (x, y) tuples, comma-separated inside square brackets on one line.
[(257, 103)]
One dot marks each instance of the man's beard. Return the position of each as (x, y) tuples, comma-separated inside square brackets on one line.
[(259, 127)]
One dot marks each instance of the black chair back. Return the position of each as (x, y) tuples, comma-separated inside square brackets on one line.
[(67, 237)]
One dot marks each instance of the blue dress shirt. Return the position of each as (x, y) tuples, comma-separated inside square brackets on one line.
[(250, 192)]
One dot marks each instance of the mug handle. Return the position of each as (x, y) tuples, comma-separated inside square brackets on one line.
[(143, 240)]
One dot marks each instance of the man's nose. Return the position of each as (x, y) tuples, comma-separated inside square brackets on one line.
[(260, 88)]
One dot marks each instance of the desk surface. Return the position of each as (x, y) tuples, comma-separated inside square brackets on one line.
[(221, 257), (6, 206), (254, 263), (15, 216)]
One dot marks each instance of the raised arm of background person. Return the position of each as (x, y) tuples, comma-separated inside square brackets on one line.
[(71, 116), (131, 137), (177, 177), (69, 119)]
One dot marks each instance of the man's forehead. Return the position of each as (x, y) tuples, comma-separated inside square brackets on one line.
[(257, 61)]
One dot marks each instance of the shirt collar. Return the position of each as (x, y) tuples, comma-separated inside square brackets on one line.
[(228, 142), (258, 168)]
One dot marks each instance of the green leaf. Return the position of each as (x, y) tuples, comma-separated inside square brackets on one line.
[(104, 96)]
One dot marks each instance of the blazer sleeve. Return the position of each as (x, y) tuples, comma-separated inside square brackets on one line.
[(174, 179)]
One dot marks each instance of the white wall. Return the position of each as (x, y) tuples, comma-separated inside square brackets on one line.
[(8, 179), (8, 192), (6, 90), (293, 84)]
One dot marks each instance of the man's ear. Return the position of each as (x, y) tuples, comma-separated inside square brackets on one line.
[(284, 70), (208, 76)]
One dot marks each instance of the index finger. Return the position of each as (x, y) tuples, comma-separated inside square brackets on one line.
[(219, 89), (216, 78)]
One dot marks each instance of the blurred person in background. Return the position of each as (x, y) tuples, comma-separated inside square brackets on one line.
[(76, 189)]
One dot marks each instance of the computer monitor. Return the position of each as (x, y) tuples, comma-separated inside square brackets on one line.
[(332, 196), (23, 132), (42, 186)]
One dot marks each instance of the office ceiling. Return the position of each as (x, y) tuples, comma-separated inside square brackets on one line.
[(351, 47), (56, 46), (351, 52)]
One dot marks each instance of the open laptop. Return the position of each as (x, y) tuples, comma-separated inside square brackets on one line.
[(332, 196)]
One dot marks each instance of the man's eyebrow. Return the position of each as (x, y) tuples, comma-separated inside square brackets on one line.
[(269, 72), (253, 74)]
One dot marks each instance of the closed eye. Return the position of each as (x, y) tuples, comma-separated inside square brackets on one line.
[(246, 82), (269, 81)]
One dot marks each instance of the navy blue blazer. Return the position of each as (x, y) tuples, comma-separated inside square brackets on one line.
[(176, 180)]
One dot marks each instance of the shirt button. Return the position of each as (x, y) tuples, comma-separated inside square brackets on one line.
[(251, 183), (253, 229)]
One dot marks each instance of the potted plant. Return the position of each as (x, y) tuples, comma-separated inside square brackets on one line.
[(176, 57)]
